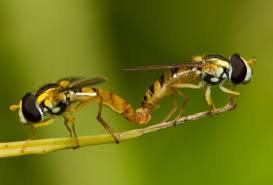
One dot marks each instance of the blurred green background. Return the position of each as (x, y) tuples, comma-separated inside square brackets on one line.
[(45, 40)]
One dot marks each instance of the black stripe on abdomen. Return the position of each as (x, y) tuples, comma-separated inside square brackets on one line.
[(162, 80), (152, 89), (174, 70)]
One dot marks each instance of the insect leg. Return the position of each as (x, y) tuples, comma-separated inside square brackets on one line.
[(69, 119), (191, 86), (82, 104), (68, 128), (105, 125), (209, 99), (46, 122), (182, 108), (173, 110), (181, 85), (226, 90), (75, 135)]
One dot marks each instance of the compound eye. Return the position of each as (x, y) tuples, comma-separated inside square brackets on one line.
[(239, 69), (30, 110)]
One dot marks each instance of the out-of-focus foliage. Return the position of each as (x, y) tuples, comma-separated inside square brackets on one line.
[(45, 40)]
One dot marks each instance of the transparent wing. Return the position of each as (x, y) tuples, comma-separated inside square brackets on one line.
[(78, 82), (164, 66), (74, 83)]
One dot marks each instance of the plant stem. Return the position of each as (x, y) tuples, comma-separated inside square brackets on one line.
[(42, 146)]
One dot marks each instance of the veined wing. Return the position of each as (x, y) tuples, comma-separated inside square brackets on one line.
[(78, 82), (74, 83), (164, 66)]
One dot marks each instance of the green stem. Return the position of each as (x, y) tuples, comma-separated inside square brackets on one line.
[(42, 146)]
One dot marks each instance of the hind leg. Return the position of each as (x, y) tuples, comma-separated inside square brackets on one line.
[(182, 108), (175, 107), (105, 125), (173, 110), (191, 86)]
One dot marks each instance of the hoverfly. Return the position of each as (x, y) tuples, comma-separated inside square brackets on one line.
[(66, 96), (202, 72)]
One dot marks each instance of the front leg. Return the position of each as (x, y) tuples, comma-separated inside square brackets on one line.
[(232, 94), (44, 123), (105, 125), (33, 126)]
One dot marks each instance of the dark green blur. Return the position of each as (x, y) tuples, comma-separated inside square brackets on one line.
[(41, 41)]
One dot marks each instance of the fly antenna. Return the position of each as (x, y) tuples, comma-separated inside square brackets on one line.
[(14, 107), (252, 61)]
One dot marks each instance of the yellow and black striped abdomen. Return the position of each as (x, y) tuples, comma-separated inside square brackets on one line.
[(163, 86), (159, 89)]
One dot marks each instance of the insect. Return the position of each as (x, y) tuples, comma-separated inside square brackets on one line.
[(202, 72), (69, 95)]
